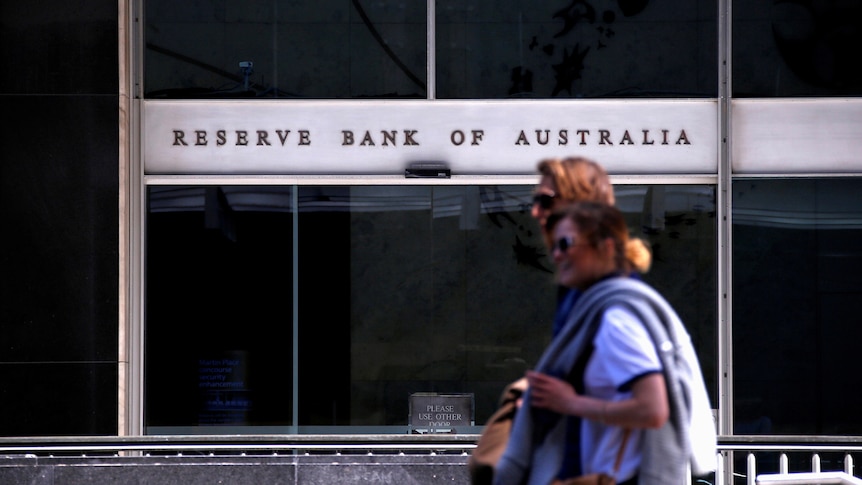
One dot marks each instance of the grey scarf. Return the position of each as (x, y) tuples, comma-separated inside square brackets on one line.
[(535, 450)]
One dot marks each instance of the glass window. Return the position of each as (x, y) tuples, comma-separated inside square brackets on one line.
[(576, 49), (285, 49), (800, 48), (218, 306), (336, 304), (797, 256), (356, 49)]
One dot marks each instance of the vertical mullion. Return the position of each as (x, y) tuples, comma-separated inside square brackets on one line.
[(725, 321), (431, 50), (294, 425), (131, 351)]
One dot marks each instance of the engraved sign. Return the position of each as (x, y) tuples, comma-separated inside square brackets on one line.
[(302, 137), (440, 413)]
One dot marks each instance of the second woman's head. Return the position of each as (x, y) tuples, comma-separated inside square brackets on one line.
[(567, 180), (591, 240)]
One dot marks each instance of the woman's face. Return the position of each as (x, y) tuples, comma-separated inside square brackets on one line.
[(545, 199), (579, 264)]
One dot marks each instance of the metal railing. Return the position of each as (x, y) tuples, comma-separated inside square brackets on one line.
[(821, 478), (754, 460), (238, 444), (741, 460)]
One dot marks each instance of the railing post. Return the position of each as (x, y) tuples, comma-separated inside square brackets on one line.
[(815, 463), (848, 464), (719, 468), (751, 470), (782, 463)]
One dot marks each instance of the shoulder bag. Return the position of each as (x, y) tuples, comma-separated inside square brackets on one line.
[(495, 436), (599, 478)]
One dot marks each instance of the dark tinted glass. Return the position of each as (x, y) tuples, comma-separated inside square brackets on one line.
[(389, 290), (797, 48), (218, 348), (285, 49), (576, 49), (797, 256)]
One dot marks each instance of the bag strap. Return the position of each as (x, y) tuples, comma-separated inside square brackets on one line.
[(619, 459)]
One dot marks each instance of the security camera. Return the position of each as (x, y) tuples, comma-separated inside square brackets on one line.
[(246, 65)]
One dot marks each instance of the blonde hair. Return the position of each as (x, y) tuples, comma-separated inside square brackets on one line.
[(597, 222), (638, 254), (577, 179)]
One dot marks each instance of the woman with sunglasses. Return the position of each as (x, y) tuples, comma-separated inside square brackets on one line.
[(598, 398)]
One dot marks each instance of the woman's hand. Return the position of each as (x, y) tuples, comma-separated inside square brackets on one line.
[(548, 392), (647, 408)]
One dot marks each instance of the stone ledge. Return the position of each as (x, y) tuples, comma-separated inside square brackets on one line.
[(238, 470)]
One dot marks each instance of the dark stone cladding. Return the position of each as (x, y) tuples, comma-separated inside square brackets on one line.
[(412, 469)]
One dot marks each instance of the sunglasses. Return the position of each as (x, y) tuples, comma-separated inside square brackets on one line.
[(545, 201), (564, 243)]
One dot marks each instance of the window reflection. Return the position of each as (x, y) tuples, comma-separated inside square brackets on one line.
[(399, 289), (218, 306), (359, 49), (798, 48), (796, 261), (576, 49), (285, 49)]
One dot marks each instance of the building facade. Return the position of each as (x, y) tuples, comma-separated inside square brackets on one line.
[(301, 217)]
